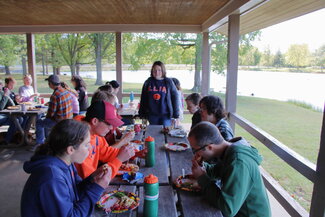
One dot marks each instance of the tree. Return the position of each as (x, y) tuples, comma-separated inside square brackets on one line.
[(298, 55), (250, 58), (71, 47), (279, 59), (267, 57), (100, 42), (319, 57), (8, 51), (43, 48)]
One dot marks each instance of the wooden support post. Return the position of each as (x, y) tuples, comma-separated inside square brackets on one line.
[(317, 208), (118, 36), (31, 58), (232, 66), (205, 85)]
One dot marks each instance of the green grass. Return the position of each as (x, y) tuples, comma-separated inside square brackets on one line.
[(294, 125)]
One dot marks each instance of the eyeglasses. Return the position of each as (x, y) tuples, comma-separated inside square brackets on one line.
[(199, 149)]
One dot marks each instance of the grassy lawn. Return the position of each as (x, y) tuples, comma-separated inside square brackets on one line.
[(295, 126)]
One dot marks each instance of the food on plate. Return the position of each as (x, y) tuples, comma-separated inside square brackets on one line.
[(105, 168), (16, 107), (33, 109), (118, 201), (128, 167), (177, 146), (187, 183)]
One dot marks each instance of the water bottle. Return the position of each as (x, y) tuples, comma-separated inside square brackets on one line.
[(150, 156), (151, 194), (131, 96)]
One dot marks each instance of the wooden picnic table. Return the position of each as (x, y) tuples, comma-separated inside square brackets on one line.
[(173, 202), (32, 116)]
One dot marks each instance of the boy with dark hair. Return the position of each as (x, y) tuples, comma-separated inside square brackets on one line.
[(240, 190), (212, 110), (192, 102), (101, 117)]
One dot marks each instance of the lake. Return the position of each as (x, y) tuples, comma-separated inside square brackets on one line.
[(306, 87)]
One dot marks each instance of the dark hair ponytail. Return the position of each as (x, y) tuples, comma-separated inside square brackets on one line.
[(64, 134)]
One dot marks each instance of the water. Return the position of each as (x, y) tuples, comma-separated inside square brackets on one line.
[(306, 87)]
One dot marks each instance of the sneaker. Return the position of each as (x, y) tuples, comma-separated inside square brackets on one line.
[(5, 155)]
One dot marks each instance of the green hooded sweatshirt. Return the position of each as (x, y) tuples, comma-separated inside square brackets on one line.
[(241, 191)]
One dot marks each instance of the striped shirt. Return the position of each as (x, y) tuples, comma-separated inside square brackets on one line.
[(60, 105)]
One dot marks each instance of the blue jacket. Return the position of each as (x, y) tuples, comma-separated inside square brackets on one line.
[(225, 130), (55, 189), (172, 99)]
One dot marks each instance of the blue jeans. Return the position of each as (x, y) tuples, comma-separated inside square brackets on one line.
[(160, 120), (43, 128), (6, 120)]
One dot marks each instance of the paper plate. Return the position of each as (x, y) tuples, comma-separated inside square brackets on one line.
[(187, 183), (177, 133), (177, 146), (118, 202), (128, 167)]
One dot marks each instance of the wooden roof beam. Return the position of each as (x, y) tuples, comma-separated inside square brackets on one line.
[(234, 6), (99, 28)]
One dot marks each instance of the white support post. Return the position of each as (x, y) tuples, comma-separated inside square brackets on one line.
[(205, 85), (317, 208), (232, 66), (118, 36), (31, 58)]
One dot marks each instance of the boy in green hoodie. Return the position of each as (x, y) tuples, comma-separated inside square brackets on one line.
[(240, 190)]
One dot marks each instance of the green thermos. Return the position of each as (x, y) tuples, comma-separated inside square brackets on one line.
[(151, 194), (150, 156)]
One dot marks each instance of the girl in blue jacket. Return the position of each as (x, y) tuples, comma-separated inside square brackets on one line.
[(54, 187), (159, 98)]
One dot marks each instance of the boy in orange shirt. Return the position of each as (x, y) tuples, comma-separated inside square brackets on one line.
[(101, 117)]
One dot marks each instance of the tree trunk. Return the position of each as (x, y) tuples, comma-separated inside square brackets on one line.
[(73, 69), (58, 70), (198, 61), (43, 64), (23, 64), (46, 64), (78, 68), (98, 50), (7, 70)]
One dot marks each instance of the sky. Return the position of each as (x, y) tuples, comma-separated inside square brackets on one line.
[(307, 29)]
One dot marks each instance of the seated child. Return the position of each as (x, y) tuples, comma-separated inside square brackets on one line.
[(192, 102)]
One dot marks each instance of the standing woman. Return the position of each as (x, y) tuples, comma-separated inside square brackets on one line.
[(54, 187), (159, 98), (80, 86), (26, 92)]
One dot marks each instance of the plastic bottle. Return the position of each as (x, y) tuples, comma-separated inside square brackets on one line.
[(150, 156), (151, 194), (131, 96)]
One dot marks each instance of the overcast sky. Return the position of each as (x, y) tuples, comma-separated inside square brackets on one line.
[(309, 29)]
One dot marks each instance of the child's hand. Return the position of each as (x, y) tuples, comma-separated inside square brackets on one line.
[(125, 153), (102, 176), (197, 170)]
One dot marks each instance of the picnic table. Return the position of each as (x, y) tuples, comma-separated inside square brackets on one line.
[(169, 164), (129, 111), (32, 116)]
